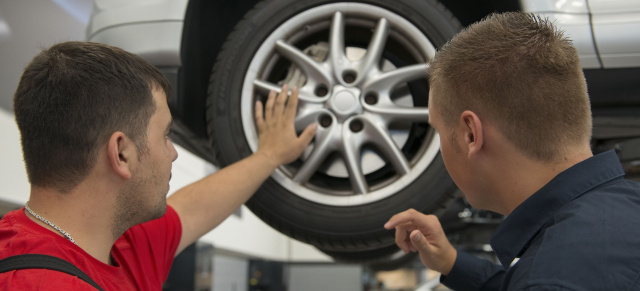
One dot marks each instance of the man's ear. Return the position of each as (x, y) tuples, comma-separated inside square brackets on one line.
[(473, 132), (122, 154)]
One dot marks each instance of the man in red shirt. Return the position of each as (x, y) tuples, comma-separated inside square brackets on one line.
[(94, 122)]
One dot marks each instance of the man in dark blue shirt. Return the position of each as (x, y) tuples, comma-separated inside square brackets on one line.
[(509, 100), (581, 231)]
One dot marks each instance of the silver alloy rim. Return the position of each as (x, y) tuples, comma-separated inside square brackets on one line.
[(353, 122)]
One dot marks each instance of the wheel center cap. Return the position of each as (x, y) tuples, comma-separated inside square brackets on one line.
[(344, 102)]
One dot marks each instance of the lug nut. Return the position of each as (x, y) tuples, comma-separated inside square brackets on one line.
[(356, 125), (349, 77), (325, 120), (321, 91), (371, 98)]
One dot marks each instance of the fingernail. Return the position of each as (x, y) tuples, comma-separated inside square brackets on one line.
[(416, 238)]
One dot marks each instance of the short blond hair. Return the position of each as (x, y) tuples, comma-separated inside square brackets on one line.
[(519, 71)]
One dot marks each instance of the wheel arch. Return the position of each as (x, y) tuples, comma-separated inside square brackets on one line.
[(207, 25)]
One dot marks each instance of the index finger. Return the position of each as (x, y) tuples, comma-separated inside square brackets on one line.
[(406, 216)]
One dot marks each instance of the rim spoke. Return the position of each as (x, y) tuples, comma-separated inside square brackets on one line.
[(314, 71), (385, 81), (310, 166), (306, 116), (351, 154), (398, 113), (336, 42), (265, 87), (323, 147), (376, 46), (303, 94), (389, 149)]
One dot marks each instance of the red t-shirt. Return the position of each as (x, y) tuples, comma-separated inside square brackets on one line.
[(142, 255)]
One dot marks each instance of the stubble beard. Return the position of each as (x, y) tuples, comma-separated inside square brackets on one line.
[(135, 204)]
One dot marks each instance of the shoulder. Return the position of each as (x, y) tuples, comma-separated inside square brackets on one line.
[(11, 222), (19, 235), (597, 233), (147, 250), (600, 223), (43, 280), (604, 208)]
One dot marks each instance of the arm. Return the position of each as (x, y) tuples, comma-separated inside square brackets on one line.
[(472, 273), (416, 231), (206, 203)]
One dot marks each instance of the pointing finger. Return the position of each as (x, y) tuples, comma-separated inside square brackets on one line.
[(402, 217)]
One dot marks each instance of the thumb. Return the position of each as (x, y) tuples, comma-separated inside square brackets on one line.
[(418, 241), (307, 135), (434, 256)]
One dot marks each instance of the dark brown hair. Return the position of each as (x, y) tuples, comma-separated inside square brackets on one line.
[(520, 72), (71, 98)]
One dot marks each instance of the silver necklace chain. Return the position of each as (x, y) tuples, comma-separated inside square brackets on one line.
[(66, 234)]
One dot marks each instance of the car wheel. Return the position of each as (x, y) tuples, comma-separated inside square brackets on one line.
[(361, 67)]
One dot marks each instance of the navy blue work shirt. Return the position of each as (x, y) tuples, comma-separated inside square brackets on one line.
[(581, 231)]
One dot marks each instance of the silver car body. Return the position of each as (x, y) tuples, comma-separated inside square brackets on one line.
[(605, 32)]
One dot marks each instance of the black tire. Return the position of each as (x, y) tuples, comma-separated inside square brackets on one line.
[(201, 147), (328, 209)]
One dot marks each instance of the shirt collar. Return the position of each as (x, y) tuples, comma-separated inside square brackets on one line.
[(512, 236)]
